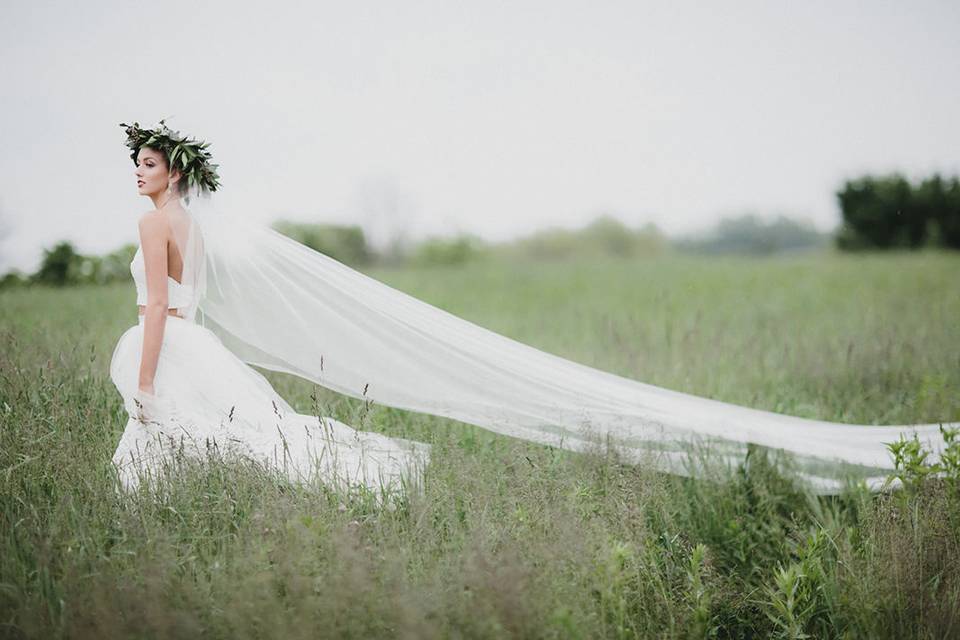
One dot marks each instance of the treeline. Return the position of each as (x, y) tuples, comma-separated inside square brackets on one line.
[(885, 212), (605, 236), (346, 244), (63, 265), (751, 235), (888, 212)]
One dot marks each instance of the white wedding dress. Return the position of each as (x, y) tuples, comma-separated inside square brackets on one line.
[(261, 298), (206, 398)]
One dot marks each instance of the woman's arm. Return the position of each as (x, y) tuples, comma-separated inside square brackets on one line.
[(153, 241)]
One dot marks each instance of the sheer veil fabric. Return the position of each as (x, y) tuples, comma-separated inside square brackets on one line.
[(209, 401), (280, 305)]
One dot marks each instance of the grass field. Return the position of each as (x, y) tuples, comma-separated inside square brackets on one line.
[(510, 539)]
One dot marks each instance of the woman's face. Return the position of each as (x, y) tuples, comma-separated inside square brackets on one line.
[(152, 173)]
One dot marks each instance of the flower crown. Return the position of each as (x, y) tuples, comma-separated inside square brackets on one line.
[(188, 155)]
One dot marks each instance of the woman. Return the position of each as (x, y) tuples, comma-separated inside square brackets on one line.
[(184, 391), (261, 298)]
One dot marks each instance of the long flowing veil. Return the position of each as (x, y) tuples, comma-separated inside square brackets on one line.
[(280, 305)]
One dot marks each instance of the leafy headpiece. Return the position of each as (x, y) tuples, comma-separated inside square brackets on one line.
[(187, 155)]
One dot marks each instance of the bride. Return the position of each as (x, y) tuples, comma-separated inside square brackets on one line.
[(217, 294), (185, 391)]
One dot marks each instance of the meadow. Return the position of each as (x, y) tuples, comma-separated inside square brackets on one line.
[(510, 539)]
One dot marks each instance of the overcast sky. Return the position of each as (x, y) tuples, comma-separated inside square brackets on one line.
[(494, 118)]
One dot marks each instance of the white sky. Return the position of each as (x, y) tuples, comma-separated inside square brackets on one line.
[(488, 117)]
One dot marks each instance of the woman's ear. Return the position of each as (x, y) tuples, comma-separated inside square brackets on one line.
[(174, 178)]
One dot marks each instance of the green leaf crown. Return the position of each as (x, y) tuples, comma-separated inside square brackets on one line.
[(187, 155)]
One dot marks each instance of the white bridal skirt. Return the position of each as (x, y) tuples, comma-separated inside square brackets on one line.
[(209, 400)]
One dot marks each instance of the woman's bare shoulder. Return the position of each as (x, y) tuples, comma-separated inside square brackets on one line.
[(152, 213), (152, 222)]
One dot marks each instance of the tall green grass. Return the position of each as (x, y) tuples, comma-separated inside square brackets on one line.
[(509, 539)]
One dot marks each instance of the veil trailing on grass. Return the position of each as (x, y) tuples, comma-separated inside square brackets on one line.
[(280, 305)]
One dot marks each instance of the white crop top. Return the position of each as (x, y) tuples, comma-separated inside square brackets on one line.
[(179, 296)]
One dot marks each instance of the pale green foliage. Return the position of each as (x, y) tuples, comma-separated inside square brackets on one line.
[(911, 460), (346, 244), (701, 623)]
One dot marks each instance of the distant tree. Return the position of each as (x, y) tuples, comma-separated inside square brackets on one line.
[(114, 266), (60, 266), (938, 202), (548, 244), (888, 212), (610, 236), (346, 244), (63, 266), (12, 279), (447, 251), (950, 213), (605, 236), (388, 213), (878, 213), (751, 235)]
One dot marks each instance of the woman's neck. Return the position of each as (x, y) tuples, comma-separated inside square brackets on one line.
[(162, 199)]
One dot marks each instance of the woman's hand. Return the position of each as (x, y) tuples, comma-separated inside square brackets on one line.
[(145, 403)]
